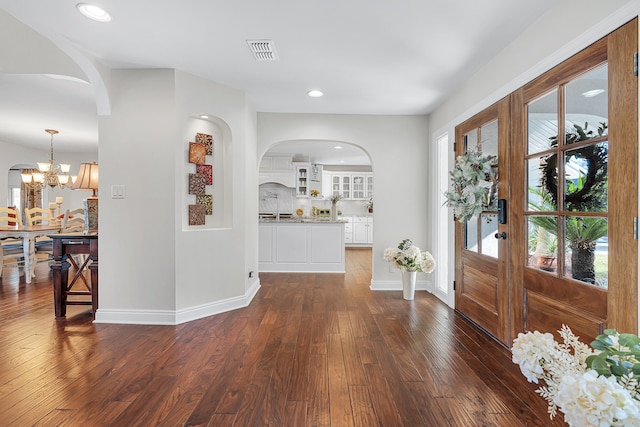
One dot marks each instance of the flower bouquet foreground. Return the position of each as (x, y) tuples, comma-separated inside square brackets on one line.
[(595, 386), (408, 257)]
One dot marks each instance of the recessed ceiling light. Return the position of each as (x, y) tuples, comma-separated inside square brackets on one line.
[(204, 116), (341, 161), (338, 147), (93, 12), (592, 93), (315, 93)]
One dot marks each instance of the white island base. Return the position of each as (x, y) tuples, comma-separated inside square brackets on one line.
[(314, 246)]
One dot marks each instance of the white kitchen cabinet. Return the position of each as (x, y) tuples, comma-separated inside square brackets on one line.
[(341, 185), (359, 187), (351, 186), (369, 186), (362, 230), (276, 163), (348, 230), (301, 246)]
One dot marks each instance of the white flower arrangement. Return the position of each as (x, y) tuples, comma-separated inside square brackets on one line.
[(471, 181), (408, 257), (592, 387)]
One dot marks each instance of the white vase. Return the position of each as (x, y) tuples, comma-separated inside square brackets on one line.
[(334, 212), (408, 284)]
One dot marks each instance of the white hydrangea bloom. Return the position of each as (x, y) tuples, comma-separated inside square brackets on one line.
[(409, 257), (530, 350), (427, 263), (588, 399), (390, 255)]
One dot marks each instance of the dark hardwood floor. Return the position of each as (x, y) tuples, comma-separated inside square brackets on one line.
[(310, 350)]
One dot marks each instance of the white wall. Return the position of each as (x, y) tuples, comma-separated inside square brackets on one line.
[(154, 268), (397, 146), (136, 150), (213, 261)]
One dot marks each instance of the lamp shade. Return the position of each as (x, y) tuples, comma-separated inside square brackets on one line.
[(87, 178)]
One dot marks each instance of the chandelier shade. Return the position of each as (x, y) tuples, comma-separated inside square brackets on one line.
[(49, 173)]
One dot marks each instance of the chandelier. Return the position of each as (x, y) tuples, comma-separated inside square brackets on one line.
[(48, 173)]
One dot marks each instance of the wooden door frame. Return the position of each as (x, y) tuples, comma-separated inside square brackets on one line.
[(621, 311), (499, 111)]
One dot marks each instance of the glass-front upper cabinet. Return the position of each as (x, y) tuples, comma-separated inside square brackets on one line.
[(358, 192)]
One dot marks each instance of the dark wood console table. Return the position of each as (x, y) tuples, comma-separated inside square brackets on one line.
[(64, 247)]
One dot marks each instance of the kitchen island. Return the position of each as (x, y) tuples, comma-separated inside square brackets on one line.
[(301, 245)]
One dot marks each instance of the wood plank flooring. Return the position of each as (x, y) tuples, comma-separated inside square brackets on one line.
[(310, 350)]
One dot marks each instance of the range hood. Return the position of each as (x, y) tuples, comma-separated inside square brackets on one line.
[(283, 178)]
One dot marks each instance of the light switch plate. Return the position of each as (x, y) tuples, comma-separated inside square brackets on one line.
[(118, 191)]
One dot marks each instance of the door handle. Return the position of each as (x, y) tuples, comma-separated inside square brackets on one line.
[(502, 211), (502, 235)]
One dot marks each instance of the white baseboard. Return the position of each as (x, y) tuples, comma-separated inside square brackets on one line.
[(168, 317), (396, 285)]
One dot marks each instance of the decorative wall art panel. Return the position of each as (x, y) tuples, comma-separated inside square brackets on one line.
[(206, 170), (197, 153), (197, 183), (206, 201), (207, 140), (196, 215)]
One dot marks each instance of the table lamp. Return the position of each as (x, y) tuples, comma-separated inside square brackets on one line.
[(88, 180)]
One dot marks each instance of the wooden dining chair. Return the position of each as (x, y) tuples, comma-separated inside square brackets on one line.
[(10, 216), (43, 245), (38, 215), (73, 221), (11, 252)]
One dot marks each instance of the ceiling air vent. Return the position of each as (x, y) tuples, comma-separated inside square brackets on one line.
[(263, 50)]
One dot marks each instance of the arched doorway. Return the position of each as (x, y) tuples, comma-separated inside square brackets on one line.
[(298, 179)]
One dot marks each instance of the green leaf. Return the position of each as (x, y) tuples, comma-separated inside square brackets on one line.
[(629, 340), (600, 365), (618, 371), (599, 345)]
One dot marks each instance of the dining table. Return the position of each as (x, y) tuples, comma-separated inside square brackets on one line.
[(28, 234)]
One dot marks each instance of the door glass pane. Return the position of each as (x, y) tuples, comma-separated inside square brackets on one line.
[(489, 228), (480, 231), (586, 178), (471, 140), (471, 234), (542, 238), (489, 135), (489, 146), (586, 250), (586, 106), (542, 122), (539, 196)]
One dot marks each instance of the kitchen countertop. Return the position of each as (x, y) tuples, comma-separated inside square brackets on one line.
[(303, 219)]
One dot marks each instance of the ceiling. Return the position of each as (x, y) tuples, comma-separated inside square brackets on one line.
[(367, 56)]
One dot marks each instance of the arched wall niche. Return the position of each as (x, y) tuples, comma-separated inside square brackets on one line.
[(222, 172)]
